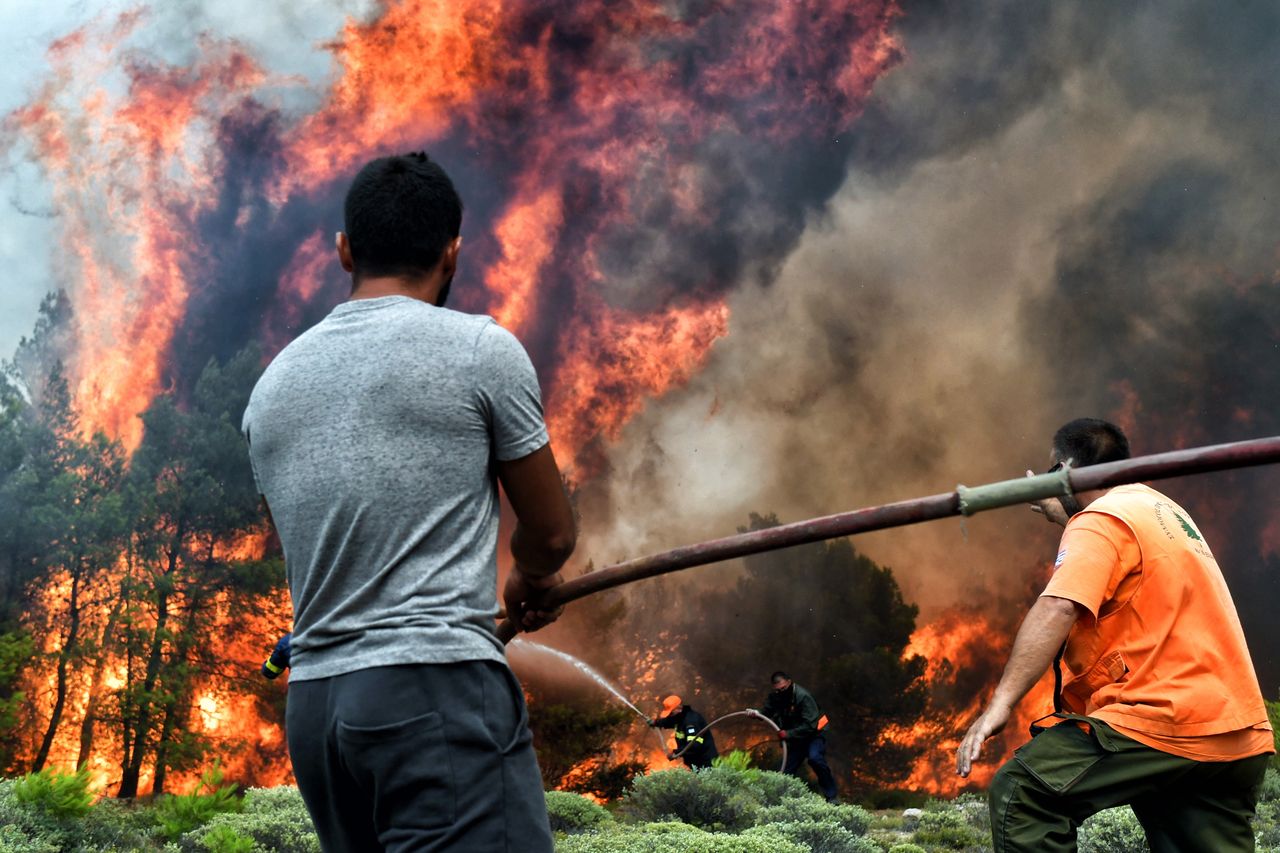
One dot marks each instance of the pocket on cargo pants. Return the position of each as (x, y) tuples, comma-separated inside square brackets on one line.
[(1058, 757)]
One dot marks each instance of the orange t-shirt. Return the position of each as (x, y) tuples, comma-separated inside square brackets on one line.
[(1125, 663)]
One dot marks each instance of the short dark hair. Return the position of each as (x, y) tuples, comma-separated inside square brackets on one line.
[(779, 675), (1090, 441), (400, 214)]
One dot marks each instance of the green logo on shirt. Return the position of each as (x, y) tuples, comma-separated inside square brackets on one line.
[(1187, 528)]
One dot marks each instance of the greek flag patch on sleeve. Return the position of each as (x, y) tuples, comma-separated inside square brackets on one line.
[(1062, 555)]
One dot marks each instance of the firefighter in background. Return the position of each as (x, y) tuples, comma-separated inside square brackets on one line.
[(802, 725), (699, 746)]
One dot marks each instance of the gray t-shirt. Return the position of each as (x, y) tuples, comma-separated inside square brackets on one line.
[(373, 438)]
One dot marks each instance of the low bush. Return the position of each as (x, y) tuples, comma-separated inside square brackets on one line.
[(60, 795), (946, 828), (673, 837), (29, 826), (976, 811), (224, 839), (738, 759), (907, 848), (178, 814), (852, 819), (123, 825), (13, 839), (574, 812), (1112, 831), (21, 818), (1266, 826), (815, 836), (273, 820), (1270, 791), (710, 799), (771, 788)]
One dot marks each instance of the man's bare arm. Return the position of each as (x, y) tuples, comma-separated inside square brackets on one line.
[(1043, 632), (545, 533), (544, 537)]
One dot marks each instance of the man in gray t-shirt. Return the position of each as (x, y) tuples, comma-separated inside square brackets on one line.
[(378, 439)]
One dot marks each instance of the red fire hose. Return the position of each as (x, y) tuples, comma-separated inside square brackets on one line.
[(963, 501)]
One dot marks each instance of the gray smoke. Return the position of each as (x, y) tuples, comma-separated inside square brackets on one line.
[(1054, 210)]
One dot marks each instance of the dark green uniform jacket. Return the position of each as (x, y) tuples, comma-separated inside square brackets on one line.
[(795, 711)]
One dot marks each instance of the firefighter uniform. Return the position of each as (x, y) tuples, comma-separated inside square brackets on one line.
[(687, 724), (803, 728)]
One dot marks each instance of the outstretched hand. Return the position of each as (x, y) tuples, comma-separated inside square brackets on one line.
[(992, 721)]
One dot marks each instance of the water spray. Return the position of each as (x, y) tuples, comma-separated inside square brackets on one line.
[(585, 669), (964, 501)]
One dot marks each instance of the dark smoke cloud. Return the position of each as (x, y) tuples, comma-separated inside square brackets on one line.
[(1051, 210)]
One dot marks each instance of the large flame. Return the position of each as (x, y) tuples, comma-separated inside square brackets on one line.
[(612, 132), (965, 652), (615, 161)]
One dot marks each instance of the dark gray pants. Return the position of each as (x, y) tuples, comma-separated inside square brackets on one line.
[(427, 757)]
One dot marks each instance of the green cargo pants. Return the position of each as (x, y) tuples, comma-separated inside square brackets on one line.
[(1064, 774)]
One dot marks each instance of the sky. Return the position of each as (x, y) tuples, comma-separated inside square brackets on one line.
[(288, 38)]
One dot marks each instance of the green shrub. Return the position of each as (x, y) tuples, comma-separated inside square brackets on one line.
[(1273, 714), (274, 819), (15, 840), (1112, 831), (178, 814), (123, 825), (946, 828), (224, 839), (285, 799), (815, 836), (769, 787), (907, 848), (61, 795), (976, 811), (1266, 826), (672, 837), (574, 812), (1270, 791), (738, 759), (710, 798), (853, 819), (30, 827)]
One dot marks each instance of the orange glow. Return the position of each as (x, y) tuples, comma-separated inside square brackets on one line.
[(960, 642), (526, 233), (613, 137), (613, 362), (400, 80), (300, 282), (126, 185)]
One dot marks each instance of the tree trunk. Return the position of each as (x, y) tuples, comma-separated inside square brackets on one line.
[(179, 706), (132, 768), (98, 685), (64, 657)]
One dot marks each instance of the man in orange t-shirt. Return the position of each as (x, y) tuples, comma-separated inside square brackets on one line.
[(1159, 702)]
